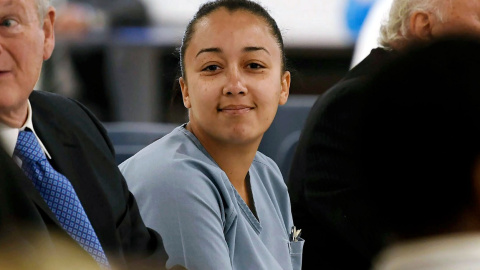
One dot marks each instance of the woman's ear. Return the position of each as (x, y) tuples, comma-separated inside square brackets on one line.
[(285, 91), (185, 95)]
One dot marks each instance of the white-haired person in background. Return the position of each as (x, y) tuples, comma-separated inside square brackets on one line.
[(326, 193)]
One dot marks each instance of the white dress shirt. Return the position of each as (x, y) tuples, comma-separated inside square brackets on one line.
[(9, 135)]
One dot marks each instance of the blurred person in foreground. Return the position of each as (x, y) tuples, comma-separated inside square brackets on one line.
[(421, 157), (25, 242), (75, 187), (217, 202), (328, 197)]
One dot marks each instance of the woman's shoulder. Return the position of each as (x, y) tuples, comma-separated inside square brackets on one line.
[(174, 160), (263, 161), (172, 175), (175, 147), (267, 168)]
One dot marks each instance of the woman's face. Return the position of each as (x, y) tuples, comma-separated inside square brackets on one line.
[(234, 81)]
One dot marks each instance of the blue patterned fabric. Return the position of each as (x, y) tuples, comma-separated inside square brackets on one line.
[(58, 193)]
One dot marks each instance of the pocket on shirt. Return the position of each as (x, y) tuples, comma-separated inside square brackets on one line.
[(296, 251)]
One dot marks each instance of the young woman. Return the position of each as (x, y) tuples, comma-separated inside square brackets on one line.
[(215, 200)]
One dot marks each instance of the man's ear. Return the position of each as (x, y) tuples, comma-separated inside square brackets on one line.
[(49, 41), (421, 26), (185, 94), (285, 91)]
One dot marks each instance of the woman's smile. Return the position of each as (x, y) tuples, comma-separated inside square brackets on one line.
[(235, 109)]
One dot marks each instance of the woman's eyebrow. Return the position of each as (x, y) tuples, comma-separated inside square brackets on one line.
[(252, 49), (218, 50), (215, 50)]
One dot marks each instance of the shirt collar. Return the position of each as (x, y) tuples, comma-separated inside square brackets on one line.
[(9, 135)]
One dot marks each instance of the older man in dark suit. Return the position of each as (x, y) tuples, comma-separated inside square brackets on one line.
[(75, 187)]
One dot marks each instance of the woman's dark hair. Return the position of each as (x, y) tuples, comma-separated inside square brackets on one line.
[(230, 5)]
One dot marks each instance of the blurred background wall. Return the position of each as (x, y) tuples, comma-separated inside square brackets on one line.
[(119, 58), (122, 61)]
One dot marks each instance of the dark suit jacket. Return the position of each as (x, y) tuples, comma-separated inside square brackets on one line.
[(81, 150), (18, 212), (26, 242), (326, 196)]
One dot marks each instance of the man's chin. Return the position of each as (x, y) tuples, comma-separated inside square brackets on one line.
[(13, 110)]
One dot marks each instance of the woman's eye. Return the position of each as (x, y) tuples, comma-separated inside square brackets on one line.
[(255, 66), (211, 68), (9, 23)]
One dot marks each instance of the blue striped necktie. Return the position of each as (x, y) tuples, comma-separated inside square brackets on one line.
[(58, 193)]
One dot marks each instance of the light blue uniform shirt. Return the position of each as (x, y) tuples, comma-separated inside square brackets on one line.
[(184, 195)]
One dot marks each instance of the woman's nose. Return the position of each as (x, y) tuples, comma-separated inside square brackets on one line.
[(235, 84)]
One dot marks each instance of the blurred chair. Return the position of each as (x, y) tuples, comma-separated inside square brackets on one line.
[(280, 140), (130, 137)]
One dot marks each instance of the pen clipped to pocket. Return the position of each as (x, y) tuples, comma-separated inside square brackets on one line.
[(295, 234), (296, 247)]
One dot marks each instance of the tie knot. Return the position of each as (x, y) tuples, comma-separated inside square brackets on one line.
[(27, 147)]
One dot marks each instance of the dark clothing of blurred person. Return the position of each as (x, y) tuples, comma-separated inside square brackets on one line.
[(328, 197), (420, 156), (328, 142)]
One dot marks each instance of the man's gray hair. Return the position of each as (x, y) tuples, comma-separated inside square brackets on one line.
[(42, 8), (396, 27)]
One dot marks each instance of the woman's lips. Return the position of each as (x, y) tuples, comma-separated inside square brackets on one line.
[(236, 109)]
